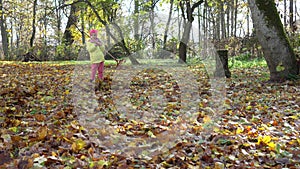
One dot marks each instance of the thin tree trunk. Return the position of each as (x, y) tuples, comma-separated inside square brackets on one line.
[(229, 8), (136, 20), (168, 25), (291, 21), (4, 32), (199, 25), (152, 26), (284, 14), (82, 26), (222, 19), (235, 17), (33, 23), (58, 18), (248, 22), (205, 20)]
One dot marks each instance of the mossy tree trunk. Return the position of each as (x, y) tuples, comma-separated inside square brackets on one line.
[(277, 50)]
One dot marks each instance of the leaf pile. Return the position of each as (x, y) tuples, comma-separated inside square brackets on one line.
[(40, 128)]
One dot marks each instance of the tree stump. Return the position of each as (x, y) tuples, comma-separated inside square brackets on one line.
[(29, 56), (222, 64)]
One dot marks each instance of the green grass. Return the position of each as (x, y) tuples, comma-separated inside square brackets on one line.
[(68, 62), (245, 61), (234, 62), (250, 63)]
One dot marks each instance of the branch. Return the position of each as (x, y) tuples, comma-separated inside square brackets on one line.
[(196, 5), (182, 9), (95, 12), (73, 3)]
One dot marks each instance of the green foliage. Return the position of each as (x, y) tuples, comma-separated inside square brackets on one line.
[(64, 52), (244, 61)]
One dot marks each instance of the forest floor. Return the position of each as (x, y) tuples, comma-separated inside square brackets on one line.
[(51, 117)]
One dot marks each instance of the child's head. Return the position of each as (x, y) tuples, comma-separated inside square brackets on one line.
[(93, 32)]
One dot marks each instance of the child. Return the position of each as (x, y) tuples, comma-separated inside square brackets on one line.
[(95, 49)]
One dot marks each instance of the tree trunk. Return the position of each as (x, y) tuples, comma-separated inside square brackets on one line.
[(291, 21), (183, 43), (136, 20), (33, 24), (72, 20), (235, 17), (284, 13), (168, 25), (222, 20), (277, 50), (222, 64), (187, 28), (82, 25), (3, 32)]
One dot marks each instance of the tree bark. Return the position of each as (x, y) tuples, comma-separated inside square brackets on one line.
[(291, 21), (136, 20), (187, 27), (3, 32), (168, 25), (222, 64), (33, 23), (277, 50), (72, 20)]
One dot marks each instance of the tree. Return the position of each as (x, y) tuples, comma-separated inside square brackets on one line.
[(168, 25), (33, 23), (3, 31), (188, 16), (72, 20), (277, 50)]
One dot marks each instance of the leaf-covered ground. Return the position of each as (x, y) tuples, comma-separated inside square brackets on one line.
[(258, 127)]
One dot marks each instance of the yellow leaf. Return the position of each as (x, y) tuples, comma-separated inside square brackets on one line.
[(78, 145), (206, 119), (261, 128), (266, 139), (298, 140), (150, 134), (219, 165), (239, 130), (53, 154), (14, 129), (67, 92), (249, 107), (271, 145), (295, 117), (82, 157)]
